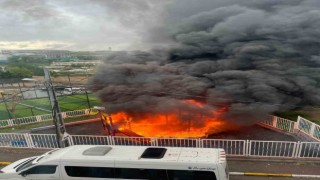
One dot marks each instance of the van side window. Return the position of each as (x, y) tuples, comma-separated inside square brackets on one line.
[(94, 172), (131, 173), (44, 169), (191, 175)]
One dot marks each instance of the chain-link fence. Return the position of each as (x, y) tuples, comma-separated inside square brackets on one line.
[(30, 97)]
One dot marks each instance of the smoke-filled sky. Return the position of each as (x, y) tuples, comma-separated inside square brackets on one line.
[(250, 57)]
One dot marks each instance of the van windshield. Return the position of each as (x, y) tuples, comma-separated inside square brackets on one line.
[(26, 164)]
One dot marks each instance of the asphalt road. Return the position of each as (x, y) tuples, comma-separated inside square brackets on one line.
[(235, 165)]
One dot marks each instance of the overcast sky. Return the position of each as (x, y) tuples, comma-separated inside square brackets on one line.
[(76, 24)]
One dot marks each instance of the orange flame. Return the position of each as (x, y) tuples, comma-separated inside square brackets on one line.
[(180, 124)]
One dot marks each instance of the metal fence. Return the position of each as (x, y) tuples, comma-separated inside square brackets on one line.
[(40, 118), (245, 148), (309, 128), (280, 123), (302, 125), (272, 148)]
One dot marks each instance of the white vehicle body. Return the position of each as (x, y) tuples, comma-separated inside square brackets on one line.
[(87, 162), (12, 168)]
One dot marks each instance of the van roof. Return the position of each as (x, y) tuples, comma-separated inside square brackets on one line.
[(134, 153)]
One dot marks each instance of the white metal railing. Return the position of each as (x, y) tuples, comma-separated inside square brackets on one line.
[(309, 128), (285, 124), (302, 125), (280, 123), (232, 147), (14, 140), (309, 150), (90, 140), (40, 118), (43, 141), (272, 148), (245, 148)]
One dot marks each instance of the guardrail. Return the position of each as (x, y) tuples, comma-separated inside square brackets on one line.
[(280, 123), (309, 128), (245, 148), (303, 125), (40, 118)]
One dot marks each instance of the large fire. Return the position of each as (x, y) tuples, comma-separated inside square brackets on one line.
[(181, 124)]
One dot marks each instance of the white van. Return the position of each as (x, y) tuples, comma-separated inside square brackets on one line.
[(88, 162)]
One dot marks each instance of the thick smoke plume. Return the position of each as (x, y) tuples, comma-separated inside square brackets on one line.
[(249, 57)]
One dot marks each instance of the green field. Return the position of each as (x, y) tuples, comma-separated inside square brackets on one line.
[(312, 114), (67, 103)]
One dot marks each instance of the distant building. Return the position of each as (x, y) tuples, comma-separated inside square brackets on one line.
[(3, 58)]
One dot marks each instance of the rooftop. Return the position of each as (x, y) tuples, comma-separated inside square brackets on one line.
[(135, 153)]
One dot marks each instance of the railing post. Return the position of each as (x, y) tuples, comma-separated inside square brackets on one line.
[(198, 143), (298, 150), (274, 121), (313, 126), (64, 115), (29, 141), (248, 148), (70, 140), (154, 142), (294, 151), (10, 122), (111, 140), (298, 122), (295, 126), (38, 118), (244, 147), (86, 111)]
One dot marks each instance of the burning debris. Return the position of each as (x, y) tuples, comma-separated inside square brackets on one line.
[(248, 58)]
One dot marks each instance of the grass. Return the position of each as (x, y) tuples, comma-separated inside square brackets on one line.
[(67, 103), (312, 114), (292, 115), (46, 123)]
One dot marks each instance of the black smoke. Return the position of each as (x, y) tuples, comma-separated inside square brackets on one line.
[(250, 57)]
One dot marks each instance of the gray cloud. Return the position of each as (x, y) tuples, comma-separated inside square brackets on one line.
[(82, 24), (251, 57)]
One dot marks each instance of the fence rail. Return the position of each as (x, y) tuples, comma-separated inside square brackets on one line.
[(309, 128), (280, 123), (245, 148), (40, 118)]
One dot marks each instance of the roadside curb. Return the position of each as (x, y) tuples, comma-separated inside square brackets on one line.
[(272, 174), (268, 159), (4, 163)]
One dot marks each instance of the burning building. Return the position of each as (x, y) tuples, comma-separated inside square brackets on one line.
[(228, 63)]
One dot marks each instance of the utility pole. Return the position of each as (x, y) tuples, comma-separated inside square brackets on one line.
[(56, 112)]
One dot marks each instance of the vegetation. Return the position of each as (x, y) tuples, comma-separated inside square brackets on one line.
[(24, 67), (16, 72)]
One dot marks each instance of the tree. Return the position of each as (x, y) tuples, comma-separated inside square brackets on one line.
[(17, 72)]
